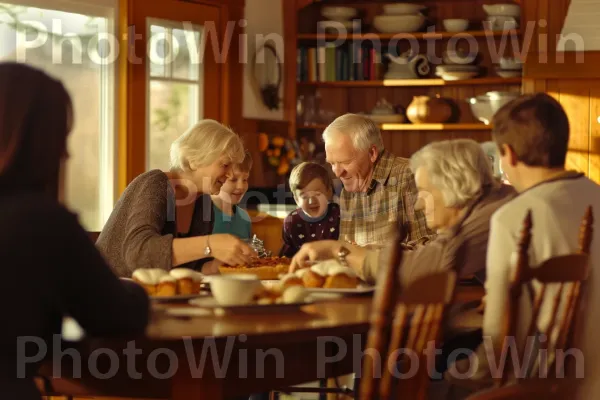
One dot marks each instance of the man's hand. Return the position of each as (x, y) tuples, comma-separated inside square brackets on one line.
[(313, 251)]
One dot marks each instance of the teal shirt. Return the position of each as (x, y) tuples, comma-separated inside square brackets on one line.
[(238, 224)]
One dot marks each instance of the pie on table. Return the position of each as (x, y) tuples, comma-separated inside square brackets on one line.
[(268, 268), (161, 283)]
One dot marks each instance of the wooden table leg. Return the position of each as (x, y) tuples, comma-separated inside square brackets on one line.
[(185, 387)]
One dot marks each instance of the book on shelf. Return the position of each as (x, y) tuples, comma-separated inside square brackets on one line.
[(328, 63)]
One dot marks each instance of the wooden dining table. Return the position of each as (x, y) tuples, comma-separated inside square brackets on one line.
[(194, 353), (208, 356)]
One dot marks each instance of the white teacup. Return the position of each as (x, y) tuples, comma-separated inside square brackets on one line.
[(234, 289)]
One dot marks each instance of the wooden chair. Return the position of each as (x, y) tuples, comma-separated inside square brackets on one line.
[(566, 277), (547, 389), (405, 323)]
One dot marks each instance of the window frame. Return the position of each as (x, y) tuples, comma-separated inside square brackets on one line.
[(169, 24), (109, 95)]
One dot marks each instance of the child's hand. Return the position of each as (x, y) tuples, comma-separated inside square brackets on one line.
[(314, 251)]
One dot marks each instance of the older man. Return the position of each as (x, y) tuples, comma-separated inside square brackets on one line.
[(378, 188)]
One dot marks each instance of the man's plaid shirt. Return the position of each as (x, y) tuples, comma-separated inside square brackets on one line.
[(367, 217)]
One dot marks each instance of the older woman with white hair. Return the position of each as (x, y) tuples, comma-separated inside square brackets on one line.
[(458, 194), (165, 219)]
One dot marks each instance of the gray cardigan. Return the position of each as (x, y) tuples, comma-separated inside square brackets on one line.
[(140, 230)]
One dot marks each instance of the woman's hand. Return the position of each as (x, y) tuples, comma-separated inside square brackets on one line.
[(230, 249), (314, 251), (211, 267)]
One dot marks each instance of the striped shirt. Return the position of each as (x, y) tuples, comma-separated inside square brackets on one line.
[(367, 218)]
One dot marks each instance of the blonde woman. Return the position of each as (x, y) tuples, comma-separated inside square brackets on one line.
[(165, 219)]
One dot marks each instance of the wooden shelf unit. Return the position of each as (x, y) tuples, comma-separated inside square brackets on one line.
[(352, 95), (412, 35), (416, 127), (413, 82)]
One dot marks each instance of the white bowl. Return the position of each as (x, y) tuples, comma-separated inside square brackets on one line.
[(481, 108), (509, 73), (455, 25), (510, 63), (339, 13), (499, 99), (398, 23), (402, 8), (505, 10), (234, 289), (456, 75)]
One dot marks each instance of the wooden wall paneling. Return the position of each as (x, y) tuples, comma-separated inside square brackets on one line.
[(528, 85), (333, 100), (124, 148), (594, 138), (574, 96), (556, 19), (290, 27), (233, 71)]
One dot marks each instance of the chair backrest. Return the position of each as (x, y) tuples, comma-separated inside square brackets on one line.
[(560, 282), (402, 327), (546, 389)]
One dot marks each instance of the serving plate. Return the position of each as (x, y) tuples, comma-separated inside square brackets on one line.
[(210, 303), (178, 298), (361, 289)]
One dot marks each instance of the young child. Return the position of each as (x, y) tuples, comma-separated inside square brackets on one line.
[(229, 218), (317, 218)]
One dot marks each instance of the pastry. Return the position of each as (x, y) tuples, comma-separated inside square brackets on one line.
[(188, 280), (279, 295), (314, 277), (148, 278), (341, 277), (166, 286), (329, 274), (290, 280), (158, 282)]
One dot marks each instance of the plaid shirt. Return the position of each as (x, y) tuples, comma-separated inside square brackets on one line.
[(367, 217)]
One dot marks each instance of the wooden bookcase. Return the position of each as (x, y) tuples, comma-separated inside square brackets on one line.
[(340, 96)]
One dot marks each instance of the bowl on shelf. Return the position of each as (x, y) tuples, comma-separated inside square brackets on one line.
[(502, 10), (403, 8), (481, 108), (510, 64), (509, 73), (398, 23), (455, 25), (499, 23), (339, 13), (457, 72), (486, 105), (499, 99)]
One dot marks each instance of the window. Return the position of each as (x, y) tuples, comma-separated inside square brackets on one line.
[(75, 43), (175, 100)]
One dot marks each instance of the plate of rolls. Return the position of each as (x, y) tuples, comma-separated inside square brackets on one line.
[(176, 284), (328, 276)]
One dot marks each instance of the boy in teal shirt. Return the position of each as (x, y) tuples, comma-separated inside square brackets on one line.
[(229, 218)]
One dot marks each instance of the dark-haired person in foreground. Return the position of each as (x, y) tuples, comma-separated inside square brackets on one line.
[(532, 135), (50, 266)]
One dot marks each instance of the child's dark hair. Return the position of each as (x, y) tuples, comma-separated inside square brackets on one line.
[(304, 173)]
